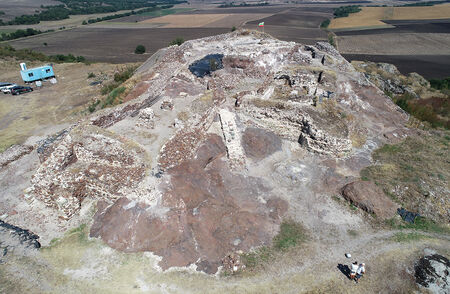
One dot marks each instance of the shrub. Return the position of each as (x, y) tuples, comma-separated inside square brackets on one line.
[(325, 24), (91, 75), (233, 28), (140, 49), (427, 110), (344, 11), (443, 84), (178, 41)]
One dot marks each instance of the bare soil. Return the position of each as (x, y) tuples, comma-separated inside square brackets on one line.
[(429, 66), (111, 45), (396, 44)]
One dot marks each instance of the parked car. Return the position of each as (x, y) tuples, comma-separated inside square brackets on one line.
[(17, 90), (6, 87)]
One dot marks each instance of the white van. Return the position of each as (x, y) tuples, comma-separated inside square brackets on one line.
[(6, 87)]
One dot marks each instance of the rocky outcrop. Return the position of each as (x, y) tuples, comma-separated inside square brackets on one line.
[(432, 272), (14, 238), (205, 212), (369, 197)]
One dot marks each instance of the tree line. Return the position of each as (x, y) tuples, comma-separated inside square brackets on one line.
[(75, 7), (28, 54), (21, 33), (119, 15)]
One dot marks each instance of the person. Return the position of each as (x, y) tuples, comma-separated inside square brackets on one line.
[(360, 271), (353, 270)]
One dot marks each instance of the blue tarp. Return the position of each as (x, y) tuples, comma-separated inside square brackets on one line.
[(206, 65)]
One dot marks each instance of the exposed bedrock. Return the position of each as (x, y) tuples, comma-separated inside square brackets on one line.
[(432, 272), (259, 143), (205, 213), (369, 197)]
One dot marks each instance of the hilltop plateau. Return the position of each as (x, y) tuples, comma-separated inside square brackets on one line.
[(238, 163)]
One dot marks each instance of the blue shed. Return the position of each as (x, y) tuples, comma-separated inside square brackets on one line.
[(36, 74)]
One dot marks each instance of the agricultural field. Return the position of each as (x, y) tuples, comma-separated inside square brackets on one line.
[(371, 17), (204, 20), (115, 40), (13, 8), (147, 15), (429, 66), (111, 44), (396, 44), (180, 20)]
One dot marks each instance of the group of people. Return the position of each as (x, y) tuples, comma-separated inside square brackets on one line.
[(357, 271)]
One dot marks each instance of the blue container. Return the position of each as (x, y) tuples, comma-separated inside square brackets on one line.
[(36, 74)]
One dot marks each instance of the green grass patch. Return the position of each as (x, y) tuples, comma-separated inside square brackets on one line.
[(407, 237), (420, 224), (79, 229), (112, 97), (290, 236)]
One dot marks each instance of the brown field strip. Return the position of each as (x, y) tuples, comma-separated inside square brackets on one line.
[(186, 20), (373, 16)]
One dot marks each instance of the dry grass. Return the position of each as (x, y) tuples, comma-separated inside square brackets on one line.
[(186, 21), (65, 102), (415, 173), (373, 16)]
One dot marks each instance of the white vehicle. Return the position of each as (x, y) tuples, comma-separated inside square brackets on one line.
[(6, 87)]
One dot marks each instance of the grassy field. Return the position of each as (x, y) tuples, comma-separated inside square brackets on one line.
[(373, 16), (415, 173), (30, 114)]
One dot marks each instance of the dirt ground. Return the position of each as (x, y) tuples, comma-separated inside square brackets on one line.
[(35, 113), (373, 16), (429, 66), (309, 268), (186, 21), (113, 44)]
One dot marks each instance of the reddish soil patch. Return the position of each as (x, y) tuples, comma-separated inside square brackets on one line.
[(259, 143), (206, 213)]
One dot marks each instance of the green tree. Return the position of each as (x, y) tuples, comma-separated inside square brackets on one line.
[(140, 49), (178, 41)]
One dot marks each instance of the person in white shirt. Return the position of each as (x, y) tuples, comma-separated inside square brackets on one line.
[(353, 270), (360, 271)]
